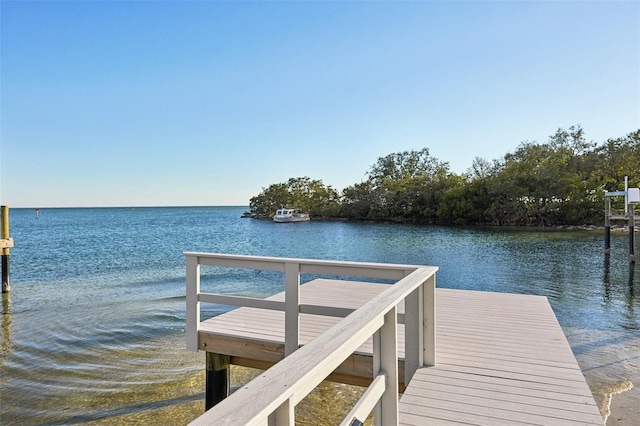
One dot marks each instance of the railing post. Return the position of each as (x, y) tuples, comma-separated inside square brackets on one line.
[(292, 307), (377, 358), (429, 322), (193, 304), (413, 333), (386, 412), (283, 416)]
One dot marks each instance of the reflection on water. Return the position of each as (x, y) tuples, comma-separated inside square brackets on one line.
[(6, 325), (632, 275), (94, 332), (607, 280)]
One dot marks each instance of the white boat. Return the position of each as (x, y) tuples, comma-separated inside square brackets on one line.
[(290, 215)]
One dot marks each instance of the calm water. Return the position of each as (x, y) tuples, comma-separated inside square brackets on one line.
[(93, 330)]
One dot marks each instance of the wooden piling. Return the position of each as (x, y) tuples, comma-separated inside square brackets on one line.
[(6, 283), (632, 234), (217, 378), (607, 226), (629, 214)]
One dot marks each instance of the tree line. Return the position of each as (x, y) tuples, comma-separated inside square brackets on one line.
[(560, 182)]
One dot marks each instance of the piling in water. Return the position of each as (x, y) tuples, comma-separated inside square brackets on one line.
[(217, 378), (632, 234), (6, 284)]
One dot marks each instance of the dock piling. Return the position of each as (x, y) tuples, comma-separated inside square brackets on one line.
[(6, 284), (632, 234), (631, 198), (217, 379), (607, 226)]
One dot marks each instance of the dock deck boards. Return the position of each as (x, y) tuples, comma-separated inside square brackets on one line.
[(501, 358)]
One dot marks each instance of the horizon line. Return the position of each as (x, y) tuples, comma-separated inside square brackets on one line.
[(126, 206)]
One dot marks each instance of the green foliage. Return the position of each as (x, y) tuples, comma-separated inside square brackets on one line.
[(618, 158), (561, 182), (312, 196), (405, 165), (358, 200), (406, 186), (549, 184)]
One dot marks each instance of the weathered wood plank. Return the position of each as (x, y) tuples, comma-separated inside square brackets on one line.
[(485, 411), (441, 377), (496, 394)]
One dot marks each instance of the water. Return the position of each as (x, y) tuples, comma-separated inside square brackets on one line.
[(93, 330)]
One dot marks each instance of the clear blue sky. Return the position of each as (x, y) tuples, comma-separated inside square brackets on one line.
[(206, 103)]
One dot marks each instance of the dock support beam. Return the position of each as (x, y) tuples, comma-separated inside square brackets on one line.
[(217, 379), (6, 283)]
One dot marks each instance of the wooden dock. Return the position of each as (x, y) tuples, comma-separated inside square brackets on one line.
[(501, 358)]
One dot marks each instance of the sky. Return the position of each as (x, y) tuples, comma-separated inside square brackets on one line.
[(167, 103)]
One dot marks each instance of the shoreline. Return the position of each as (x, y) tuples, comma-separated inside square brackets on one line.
[(623, 407), (614, 228)]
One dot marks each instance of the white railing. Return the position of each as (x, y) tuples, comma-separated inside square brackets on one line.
[(271, 397)]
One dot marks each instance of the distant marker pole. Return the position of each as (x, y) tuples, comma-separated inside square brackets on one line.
[(6, 285)]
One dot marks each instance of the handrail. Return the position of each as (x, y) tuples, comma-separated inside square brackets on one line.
[(311, 266), (292, 267), (275, 393)]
